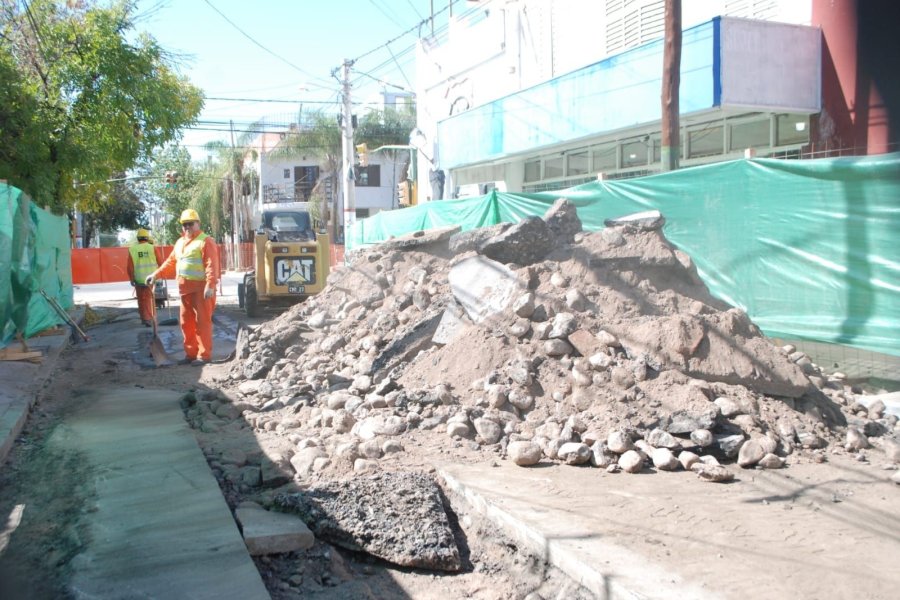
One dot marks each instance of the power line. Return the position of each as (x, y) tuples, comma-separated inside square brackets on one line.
[(249, 37), (299, 101), (408, 31)]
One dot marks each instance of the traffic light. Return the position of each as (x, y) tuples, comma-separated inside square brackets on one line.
[(363, 151), (403, 194), (171, 178)]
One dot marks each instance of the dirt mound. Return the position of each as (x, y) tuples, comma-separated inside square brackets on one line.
[(605, 344)]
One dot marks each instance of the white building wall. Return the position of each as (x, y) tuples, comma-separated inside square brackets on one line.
[(499, 47)]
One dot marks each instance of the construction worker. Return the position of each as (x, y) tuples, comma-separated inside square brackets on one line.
[(142, 261), (194, 262)]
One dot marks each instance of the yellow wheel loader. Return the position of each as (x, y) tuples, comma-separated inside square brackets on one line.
[(291, 260)]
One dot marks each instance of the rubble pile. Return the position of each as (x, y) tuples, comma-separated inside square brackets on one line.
[(537, 341)]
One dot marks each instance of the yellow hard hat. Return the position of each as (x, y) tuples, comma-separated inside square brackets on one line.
[(143, 233), (189, 215)]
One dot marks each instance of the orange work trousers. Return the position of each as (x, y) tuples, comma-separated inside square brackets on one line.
[(196, 325), (145, 300)]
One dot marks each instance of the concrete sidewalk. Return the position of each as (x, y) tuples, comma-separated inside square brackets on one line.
[(22, 381), (159, 527), (811, 531)]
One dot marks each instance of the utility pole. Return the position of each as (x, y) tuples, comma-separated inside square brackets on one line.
[(348, 151), (235, 239), (671, 80)]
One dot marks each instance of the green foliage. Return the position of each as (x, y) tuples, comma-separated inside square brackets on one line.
[(90, 100)]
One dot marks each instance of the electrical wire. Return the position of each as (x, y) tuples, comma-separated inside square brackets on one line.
[(249, 37)]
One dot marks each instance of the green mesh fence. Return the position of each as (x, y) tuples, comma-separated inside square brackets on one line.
[(808, 248), (34, 255)]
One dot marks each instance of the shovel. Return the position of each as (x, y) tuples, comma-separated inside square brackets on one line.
[(157, 350)]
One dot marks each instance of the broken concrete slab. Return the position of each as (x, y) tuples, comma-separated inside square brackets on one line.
[(267, 532), (468, 241), (398, 517), (525, 243), (483, 287), (562, 220), (647, 220), (418, 239)]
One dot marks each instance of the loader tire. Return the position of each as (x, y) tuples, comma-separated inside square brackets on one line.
[(251, 301)]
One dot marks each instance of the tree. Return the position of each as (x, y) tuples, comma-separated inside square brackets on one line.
[(322, 138), (91, 100)]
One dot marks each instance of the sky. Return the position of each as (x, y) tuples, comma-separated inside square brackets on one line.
[(286, 50)]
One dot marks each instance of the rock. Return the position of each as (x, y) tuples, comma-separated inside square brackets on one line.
[(683, 421), (524, 453), (272, 532), (891, 449), (601, 456), (702, 437), (563, 324), (664, 460), (771, 461), (750, 453), (688, 460), (524, 305), (304, 459), (855, 440), (622, 377), (489, 431), (713, 473), (876, 409), (810, 440), (662, 439), (730, 444), (557, 347), (619, 442), (372, 515), (574, 453), (457, 429), (631, 461), (586, 343), (896, 477), (727, 406)]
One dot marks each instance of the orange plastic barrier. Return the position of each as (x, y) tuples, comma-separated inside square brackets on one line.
[(106, 265)]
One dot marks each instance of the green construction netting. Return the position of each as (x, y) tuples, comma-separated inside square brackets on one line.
[(808, 248), (34, 256)]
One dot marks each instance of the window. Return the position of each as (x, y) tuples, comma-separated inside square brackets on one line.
[(634, 153), (792, 129), (554, 167), (533, 170), (287, 173), (749, 135), (368, 176), (579, 163), (708, 141), (362, 213), (605, 158)]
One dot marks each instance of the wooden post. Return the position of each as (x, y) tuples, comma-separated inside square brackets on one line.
[(671, 79)]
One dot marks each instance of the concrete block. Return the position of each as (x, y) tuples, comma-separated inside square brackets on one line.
[(273, 533)]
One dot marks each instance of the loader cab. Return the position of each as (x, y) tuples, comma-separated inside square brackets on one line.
[(288, 226)]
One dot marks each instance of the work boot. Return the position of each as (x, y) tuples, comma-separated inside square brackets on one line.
[(199, 362), (186, 361), (147, 323)]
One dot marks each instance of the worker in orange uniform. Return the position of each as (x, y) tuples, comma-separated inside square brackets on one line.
[(194, 262), (142, 261)]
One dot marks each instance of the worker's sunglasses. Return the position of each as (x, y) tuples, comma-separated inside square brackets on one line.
[(187, 224)]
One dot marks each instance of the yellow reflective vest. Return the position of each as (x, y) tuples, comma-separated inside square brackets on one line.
[(144, 260), (190, 259)]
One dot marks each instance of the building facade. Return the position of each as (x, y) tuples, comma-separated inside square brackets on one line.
[(531, 95)]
